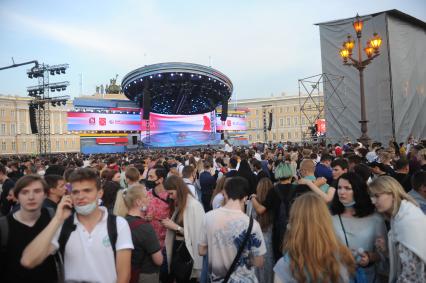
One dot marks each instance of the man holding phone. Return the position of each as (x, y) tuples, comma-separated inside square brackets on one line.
[(88, 253)]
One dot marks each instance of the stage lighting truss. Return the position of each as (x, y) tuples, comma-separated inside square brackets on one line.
[(35, 72), (39, 70), (59, 100), (61, 86), (35, 91), (57, 69)]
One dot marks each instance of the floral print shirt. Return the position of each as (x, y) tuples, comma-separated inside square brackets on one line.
[(159, 210)]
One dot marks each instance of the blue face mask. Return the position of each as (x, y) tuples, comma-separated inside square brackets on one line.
[(86, 209), (349, 204)]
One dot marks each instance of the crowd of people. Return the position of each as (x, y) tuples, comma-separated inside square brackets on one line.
[(264, 213)]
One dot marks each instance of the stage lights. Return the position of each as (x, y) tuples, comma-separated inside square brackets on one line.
[(35, 72), (61, 86), (57, 69)]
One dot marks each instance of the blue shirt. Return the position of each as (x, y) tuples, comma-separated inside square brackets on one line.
[(323, 171)]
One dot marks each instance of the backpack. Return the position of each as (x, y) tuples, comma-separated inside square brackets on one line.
[(283, 213), (287, 197), (135, 270), (68, 227)]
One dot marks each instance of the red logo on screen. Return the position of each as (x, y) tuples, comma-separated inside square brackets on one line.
[(229, 123), (92, 120), (102, 121)]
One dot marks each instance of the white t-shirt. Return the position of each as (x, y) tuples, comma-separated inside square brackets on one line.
[(223, 231), (217, 200), (89, 257)]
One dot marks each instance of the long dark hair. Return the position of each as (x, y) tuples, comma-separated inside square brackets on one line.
[(177, 184), (363, 205)]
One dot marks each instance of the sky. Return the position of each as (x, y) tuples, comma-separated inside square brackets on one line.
[(264, 47)]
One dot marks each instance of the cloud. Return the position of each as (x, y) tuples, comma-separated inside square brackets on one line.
[(81, 38)]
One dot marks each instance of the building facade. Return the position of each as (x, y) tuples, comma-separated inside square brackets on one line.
[(15, 129), (291, 117)]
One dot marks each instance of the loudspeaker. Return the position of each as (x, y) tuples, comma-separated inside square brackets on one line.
[(270, 121), (146, 101), (224, 114), (33, 120), (134, 140), (222, 136)]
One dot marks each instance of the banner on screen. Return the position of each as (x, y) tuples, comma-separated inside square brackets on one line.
[(231, 124), (321, 129), (84, 121)]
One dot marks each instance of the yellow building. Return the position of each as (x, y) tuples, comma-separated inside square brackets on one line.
[(289, 122), (15, 129)]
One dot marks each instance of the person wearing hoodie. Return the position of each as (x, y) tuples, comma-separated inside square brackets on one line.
[(406, 244)]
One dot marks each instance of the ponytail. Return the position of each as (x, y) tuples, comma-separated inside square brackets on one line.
[(126, 199)]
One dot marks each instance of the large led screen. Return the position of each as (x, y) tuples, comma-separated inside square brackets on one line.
[(86, 121), (231, 124), (90, 121)]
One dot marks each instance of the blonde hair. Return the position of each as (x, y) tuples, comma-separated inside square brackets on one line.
[(422, 154), (220, 184), (126, 199), (315, 252), (307, 165), (388, 185)]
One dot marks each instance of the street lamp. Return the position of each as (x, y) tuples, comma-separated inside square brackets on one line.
[(372, 51)]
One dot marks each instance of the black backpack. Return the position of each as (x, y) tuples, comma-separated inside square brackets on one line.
[(287, 197)]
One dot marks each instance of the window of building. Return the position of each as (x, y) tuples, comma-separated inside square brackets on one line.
[(65, 144), (289, 135), (281, 122), (303, 120), (288, 121), (13, 145), (257, 112), (296, 135), (3, 129), (12, 114), (24, 146), (12, 129), (32, 145), (258, 137), (287, 109), (295, 108), (274, 136), (295, 121), (3, 146), (2, 112), (57, 145), (282, 136)]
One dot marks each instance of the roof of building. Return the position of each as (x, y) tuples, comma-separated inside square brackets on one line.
[(395, 13)]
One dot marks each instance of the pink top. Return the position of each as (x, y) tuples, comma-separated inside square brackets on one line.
[(159, 210)]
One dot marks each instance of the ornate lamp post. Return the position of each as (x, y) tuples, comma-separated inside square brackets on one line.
[(372, 51)]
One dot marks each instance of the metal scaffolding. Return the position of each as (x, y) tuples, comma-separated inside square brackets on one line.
[(42, 100), (311, 107)]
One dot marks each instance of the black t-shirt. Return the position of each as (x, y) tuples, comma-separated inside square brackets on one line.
[(20, 235), (48, 203), (285, 193), (145, 243)]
